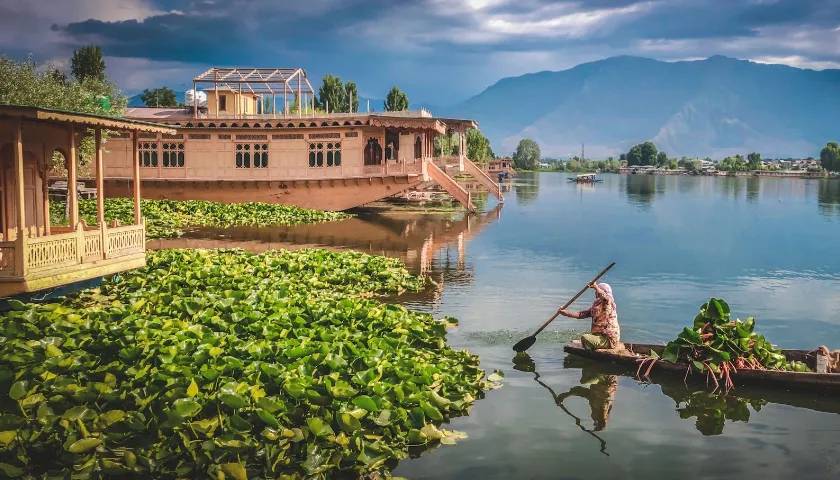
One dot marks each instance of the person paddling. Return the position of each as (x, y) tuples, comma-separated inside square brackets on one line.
[(605, 332)]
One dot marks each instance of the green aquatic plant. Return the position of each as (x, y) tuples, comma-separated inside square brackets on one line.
[(229, 364), (169, 218), (717, 346)]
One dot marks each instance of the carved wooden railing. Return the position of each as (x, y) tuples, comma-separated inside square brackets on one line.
[(91, 246), (122, 241), (7, 259), (450, 185), (51, 251), (479, 174), (74, 248)]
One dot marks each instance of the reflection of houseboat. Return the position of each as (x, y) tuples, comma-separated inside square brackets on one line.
[(585, 178), (255, 135)]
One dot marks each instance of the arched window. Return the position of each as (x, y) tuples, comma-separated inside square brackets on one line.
[(373, 152), (418, 148), (325, 154), (148, 154)]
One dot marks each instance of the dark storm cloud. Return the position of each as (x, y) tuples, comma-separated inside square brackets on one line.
[(441, 49)]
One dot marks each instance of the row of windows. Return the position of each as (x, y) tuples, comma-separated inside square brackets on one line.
[(245, 152), (324, 154), (248, 155)]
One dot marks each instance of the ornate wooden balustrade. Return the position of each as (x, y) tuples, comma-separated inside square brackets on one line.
[(51, 260)]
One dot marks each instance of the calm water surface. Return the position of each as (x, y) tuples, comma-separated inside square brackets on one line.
[(770, 247)]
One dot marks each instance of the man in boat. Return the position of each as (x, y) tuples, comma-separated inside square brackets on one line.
[(605, 332)]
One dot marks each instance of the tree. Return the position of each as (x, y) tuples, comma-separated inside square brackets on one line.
[(396, 101), (331, 95), (733, 164), (159, 97), (478, 146), (352, 96), (754, 161), (87, 63), (830, 157), (642, 154), (661, 159), (21, 83), (527, 156)]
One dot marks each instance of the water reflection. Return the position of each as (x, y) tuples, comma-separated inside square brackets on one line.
[(596, 388), (641, 189), (828, 197), (527, 187), (709, 411), (432, 244)]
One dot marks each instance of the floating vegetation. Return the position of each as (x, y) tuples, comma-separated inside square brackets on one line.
[(717, 346), (231, 365), (169, 218)]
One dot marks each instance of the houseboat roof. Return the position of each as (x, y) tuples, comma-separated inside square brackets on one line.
[(89, 120), (270, 80), (184, 117)]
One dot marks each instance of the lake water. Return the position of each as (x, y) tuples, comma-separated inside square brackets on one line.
[(770, 247)]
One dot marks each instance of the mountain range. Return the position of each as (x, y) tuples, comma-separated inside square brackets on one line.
[(713, 107)]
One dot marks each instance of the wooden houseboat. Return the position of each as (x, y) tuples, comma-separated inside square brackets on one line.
[(35, 255), (254, 135)]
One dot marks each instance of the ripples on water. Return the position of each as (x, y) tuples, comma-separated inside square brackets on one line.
[(768, 246)]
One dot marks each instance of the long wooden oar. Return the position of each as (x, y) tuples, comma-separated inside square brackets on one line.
[(527, 342)]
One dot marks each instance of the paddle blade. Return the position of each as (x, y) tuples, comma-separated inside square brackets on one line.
[(524, 344)]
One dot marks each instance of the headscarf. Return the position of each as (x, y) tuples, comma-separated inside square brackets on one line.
[(607, 291)]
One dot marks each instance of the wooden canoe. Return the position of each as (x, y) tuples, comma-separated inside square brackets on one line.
[(770, 378)]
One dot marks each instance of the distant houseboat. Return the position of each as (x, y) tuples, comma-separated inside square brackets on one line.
[(253, 134)]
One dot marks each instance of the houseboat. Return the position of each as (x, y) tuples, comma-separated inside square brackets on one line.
[(35, 255), (254, 134)]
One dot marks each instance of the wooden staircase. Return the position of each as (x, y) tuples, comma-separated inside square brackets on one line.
[(481, 176), (450, 185)]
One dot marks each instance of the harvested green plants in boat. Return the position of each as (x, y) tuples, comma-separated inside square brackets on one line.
[(232, 365), (169, 218), (718, 346)]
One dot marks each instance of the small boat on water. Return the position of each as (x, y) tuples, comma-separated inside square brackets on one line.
[(636, 352), (585, 178)]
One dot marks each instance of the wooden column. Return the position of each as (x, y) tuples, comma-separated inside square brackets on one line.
[(45, 191), (20, 208), (100, 192), (72, 194), (136, 176)]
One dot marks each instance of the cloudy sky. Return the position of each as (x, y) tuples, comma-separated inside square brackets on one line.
[(439, 51)]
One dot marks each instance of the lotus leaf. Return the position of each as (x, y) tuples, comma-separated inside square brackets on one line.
[(228, 363), (169, 218)]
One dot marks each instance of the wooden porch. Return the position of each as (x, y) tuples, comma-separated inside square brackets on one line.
[(34, 254)]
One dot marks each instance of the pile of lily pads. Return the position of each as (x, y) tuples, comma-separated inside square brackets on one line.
[(229, 364), (717, 345), (169, 218)]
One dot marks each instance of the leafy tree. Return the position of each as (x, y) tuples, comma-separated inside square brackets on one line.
[(754, 161), (352, 96), (22, 84), (446, 145), (527, 155), (642, 154), (733, 164), (661, 159), (337, 95), (87, 63), (830, 157), (159, 97), (396, 101), (478, 146), (331, 95)]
